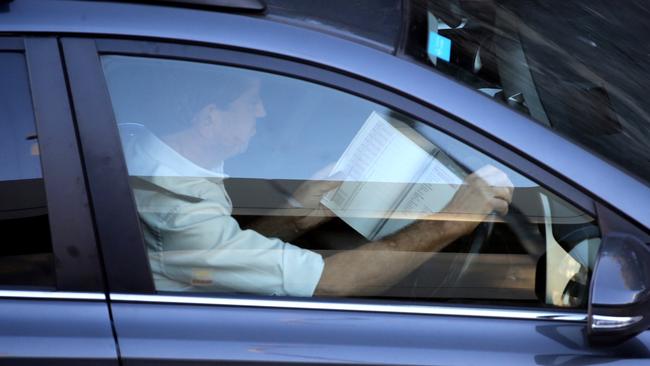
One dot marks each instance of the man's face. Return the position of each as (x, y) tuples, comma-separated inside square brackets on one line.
[(235, 125)]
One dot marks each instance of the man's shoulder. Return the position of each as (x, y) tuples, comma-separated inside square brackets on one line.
[(181, 193)]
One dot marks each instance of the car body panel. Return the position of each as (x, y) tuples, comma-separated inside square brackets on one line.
[(55, 332), (200, 333)]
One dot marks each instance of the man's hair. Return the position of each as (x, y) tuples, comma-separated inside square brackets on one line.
[(166, 95)]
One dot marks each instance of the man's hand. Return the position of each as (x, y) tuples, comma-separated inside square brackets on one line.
[(483, 192), (306, 197), (310, 192)]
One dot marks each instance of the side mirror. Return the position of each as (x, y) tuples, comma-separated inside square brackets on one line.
[(619, 306)]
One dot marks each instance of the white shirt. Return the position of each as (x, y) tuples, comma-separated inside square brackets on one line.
[(194, 243)]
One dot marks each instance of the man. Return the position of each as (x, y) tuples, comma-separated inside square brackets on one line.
[(195, 244)]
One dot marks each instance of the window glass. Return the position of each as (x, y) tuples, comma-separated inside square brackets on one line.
[(578, 67), (254, 183), (25, 251)]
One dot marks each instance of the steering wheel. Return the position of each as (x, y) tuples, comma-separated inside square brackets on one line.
[(532, 242)]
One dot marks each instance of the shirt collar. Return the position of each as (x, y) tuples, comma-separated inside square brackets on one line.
[(150, 159), (147, 155)]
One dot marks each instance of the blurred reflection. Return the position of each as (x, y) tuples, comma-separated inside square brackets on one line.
[(578, 67)]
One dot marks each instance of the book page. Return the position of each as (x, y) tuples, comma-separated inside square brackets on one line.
[(379, 165), (431, 193), (389, 175)]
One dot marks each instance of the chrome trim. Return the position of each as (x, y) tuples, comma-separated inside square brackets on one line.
[(379, 308), (613, 322), (52, 295)]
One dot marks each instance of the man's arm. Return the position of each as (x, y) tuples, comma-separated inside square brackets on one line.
[(289, 227), (286, 227), (379, 265)]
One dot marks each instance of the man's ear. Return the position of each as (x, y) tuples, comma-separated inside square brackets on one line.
[(206, 120)]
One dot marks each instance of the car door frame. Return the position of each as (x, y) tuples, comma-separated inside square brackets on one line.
[(103, 152), (70, 323), (142, 316)]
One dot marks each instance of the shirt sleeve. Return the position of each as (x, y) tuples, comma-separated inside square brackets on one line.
[(201, 245)]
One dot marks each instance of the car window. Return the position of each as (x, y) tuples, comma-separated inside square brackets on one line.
[(26, 251), (578, 67), (253, 183)]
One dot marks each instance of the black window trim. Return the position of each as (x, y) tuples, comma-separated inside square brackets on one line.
[(118, 231), (9, 44), (76, 262), (120, 238)]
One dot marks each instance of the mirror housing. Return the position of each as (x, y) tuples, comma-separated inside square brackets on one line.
[(619, 304)]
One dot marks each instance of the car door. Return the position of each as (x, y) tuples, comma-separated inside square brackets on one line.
[(53, 308), (491, 298)]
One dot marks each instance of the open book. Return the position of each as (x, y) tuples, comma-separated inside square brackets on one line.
[(392, 176)]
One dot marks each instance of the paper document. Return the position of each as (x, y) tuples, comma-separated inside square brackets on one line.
[(392, 176)]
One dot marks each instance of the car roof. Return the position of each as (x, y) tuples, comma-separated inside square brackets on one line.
[(376, 23)]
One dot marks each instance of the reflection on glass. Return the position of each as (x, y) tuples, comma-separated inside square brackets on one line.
[(255, 183), (563, 64), (25, 249)]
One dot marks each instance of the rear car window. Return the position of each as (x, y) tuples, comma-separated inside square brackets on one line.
[(26, 258)]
